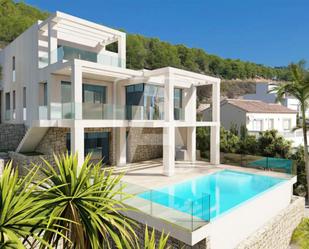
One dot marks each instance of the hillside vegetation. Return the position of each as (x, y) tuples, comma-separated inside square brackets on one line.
[(149, 53)]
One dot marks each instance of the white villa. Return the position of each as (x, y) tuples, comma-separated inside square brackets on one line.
[(73, 94), (264, 93), (258, 116), (65, 87)]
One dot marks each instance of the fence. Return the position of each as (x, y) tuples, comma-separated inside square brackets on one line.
[(260, 162)]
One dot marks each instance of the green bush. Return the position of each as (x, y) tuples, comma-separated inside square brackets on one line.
[(272, 144)]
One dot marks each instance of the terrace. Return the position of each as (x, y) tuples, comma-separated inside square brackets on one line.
[(195, 222)]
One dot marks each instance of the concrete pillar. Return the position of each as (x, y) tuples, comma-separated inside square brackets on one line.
[(122, 50), (169, 150), (190, 104), (169, 131), (77, 89), (52, 44), (191, 143), (215, 129), (77, 142), (121, 146)]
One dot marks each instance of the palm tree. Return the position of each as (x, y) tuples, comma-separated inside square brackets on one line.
[(21, 217), (299, 89), (86, 200)]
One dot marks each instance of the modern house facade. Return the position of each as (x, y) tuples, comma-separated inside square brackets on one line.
[(73, 93)]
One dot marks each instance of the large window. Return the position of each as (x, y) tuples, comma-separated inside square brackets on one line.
[(144, 102), (270, 123), (96, 143), (94, 94), (178, 112)]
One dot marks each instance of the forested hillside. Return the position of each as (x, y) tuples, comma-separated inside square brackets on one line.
[(150, 53)]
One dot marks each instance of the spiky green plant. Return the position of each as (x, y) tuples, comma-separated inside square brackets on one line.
[(299, 89), (21, 217), (150, 242), (85, 198)]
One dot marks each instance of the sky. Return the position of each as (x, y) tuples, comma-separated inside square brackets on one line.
[(269, 32)]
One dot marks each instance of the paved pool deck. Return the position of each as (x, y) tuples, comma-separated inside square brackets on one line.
[(151, 176)]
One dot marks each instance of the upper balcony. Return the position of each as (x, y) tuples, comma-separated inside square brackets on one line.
[(63, 37)]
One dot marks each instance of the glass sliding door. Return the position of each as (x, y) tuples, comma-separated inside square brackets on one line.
[(94, 98), (97, 143)]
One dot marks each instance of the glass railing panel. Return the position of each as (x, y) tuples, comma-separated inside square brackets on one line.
[(135, 112), (189, 214), (43, 60), (43, 113)]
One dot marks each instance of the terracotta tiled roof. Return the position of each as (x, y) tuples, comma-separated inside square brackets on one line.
[(257, 106)]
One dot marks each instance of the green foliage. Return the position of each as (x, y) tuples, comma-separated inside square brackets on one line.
[(150, 242), (301, 234), (84, 198), (272, 144), (21, 217), (300, 187), (229, 142), (203, 140), (16, 17)]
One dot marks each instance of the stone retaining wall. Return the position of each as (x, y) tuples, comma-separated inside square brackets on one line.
[(24, 162), (276, 234), (10, 136), (144, 144)]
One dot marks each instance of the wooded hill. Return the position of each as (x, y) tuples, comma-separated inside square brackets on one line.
[(149, 53)]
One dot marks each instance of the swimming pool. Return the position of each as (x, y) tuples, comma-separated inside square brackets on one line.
[(209, 196)]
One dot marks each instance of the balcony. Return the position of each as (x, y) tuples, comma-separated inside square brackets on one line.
[(65, 53), (96, 111)]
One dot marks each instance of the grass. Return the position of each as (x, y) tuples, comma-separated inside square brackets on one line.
[(301, 234)]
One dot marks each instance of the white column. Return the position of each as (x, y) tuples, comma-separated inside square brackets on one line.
[(122, 50), (215, 129), (77, 142), (52, 43), (169, 131), (121, 146), (77, 89), (169, 150), (191, 143), (190, 104)]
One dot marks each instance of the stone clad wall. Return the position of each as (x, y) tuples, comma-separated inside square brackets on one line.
[(144, 144), (276, 234), (10, 136), (54, 141)]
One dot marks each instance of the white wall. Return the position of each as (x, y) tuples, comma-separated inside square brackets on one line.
[(227, 231), (265, 117), (24, 49), (232, 115)]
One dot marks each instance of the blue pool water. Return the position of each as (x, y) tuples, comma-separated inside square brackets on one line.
[(209, 196)]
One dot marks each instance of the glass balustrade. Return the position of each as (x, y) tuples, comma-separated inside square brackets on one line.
[(101, 112), (65, 53)]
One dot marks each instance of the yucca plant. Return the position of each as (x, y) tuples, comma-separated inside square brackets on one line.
[(21, 216), (85, 200), (150, 242)]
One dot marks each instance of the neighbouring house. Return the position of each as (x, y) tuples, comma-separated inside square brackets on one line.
[(68, 92), (259, 116), (73, 94), (264, 93)]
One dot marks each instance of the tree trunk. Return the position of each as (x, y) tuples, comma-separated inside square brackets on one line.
[(306, 156)]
